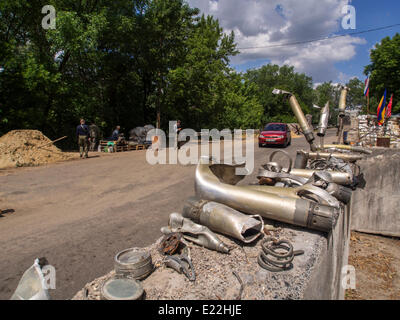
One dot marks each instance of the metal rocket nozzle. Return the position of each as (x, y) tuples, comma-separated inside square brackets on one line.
[(298, 112), (323, 121)]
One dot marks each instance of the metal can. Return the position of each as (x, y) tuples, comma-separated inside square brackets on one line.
[(121, 289), (134, 263)]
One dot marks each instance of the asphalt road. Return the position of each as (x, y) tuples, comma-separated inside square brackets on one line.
[(79, 214)]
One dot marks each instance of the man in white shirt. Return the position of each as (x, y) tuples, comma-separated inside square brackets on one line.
[(177, 129)]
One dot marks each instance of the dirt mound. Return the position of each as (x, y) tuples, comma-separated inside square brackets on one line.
[(22, 148)]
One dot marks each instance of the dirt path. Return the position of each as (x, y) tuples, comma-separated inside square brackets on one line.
[(79, 214), (377, 263)]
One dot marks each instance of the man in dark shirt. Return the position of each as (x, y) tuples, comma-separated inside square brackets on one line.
[(115, 134), (82, 133)]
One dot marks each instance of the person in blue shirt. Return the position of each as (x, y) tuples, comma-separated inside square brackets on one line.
[(115, 134), (83, 134)]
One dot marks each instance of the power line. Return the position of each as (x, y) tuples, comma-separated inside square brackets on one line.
[(321, 39)]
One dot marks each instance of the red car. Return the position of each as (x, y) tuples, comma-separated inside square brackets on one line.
[(275, 134)]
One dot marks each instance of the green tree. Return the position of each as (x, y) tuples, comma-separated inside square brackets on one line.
[(355, 96), (204, 89), (328, 92), (117, 62), (384, 71), (242, 110), (275, 107)]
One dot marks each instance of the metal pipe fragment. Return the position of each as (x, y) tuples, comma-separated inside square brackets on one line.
[(301, 160), (320, 184), (323, 121), (342, 101), (300, 212), (340, 192), (307, 130), (327, 155), (223, 219), (346, 147), (342, 108), (298, 112), (324, 180), (296, 193), (342, 178), (194, 232)]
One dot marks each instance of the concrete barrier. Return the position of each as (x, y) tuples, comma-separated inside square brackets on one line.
[(376, 206), (326, 280)]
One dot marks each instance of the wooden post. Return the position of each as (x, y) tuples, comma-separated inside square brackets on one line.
[(51, 142), (158, 107)]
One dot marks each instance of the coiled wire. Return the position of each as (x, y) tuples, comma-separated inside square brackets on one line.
[(277, 255)]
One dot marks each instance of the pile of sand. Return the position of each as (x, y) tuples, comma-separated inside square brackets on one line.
[(21, 148)]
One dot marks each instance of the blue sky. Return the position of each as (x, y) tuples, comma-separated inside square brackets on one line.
[(371, 14), (259, 23)]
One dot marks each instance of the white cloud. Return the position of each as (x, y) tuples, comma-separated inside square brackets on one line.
[(259, 23), (344, 78)]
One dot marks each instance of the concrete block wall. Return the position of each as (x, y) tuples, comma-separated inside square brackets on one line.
[(376, 207)]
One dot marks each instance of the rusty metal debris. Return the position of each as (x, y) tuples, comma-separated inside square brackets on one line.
[(177, 254), (170, 243)]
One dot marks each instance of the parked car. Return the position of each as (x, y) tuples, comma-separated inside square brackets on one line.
[(275, 134)]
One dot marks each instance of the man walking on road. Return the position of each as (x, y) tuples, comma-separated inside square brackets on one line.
[(82, 133), (177, 129)]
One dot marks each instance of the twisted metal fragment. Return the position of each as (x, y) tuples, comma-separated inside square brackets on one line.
[(194, 232)]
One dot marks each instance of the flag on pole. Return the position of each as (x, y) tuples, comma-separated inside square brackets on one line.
[(366, 89), (389, 107), (381, 109)]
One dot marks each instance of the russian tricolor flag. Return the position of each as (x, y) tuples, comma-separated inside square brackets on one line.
[(366, 89)]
